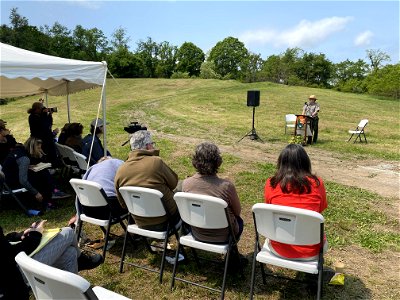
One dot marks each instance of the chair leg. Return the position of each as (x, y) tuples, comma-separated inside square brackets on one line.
[(79, 230), (163, 257), (121, 264), (350, 137), (227, 256), (253, 271), (106, 240), (175, 265)]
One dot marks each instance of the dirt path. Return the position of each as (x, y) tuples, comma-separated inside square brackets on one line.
[(378, 176)]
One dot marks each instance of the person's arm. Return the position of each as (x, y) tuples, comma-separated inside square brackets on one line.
[(23, 167), (322, 191), (170, 177), (234, 200)]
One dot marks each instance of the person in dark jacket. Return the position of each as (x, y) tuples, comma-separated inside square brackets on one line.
[(96, 131)]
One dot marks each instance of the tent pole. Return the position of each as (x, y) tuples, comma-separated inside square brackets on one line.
[(69, 116), (103, 104)]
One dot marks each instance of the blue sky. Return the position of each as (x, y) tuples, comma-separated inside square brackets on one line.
[(339, 29)]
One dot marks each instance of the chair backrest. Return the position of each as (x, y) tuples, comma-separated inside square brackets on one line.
[(81, 160), (287, 224), (88, 192), (69, 152), (290, 118), (362, 124), (201, 210), (61, 149), (50, 283), (143, 202)]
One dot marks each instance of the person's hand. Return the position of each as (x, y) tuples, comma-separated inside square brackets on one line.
[(40, 227), (56, 131), (39, 197), (35, 227)]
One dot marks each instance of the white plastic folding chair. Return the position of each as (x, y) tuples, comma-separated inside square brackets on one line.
[(51, 283), (290, 121), (205, 212), (146, 202), (287, 225), (91, 194), (81, 160), (359, 131)]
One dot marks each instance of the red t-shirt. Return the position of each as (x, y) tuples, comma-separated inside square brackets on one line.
[(315, 200)]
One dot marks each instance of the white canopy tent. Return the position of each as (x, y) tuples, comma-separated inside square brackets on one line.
[(24, 73)]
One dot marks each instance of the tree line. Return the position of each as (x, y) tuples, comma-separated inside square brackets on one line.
[(228, 59)]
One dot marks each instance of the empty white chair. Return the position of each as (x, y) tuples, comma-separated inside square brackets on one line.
[(51, 283), (359, 131), (146, 202), (290, 121), (204, 212), (287, 225)]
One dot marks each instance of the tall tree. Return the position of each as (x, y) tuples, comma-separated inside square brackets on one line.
[(148, 52), (166, 60), (250, 67), (189, 59), (376, 58), (61, 42), (228, 56), (120, 39), (90, 44)]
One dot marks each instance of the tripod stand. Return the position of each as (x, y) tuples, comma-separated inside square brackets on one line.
[(252, 133)]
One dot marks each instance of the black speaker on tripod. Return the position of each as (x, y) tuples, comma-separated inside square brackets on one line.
[(253, 100)]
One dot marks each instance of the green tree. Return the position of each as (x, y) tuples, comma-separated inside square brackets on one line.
[(314, 69), (61, 42), (348, 76), (376, 58), (120, 39), (251, 67), (89, 44), (207, 71), (148, 53), (124, 64), (272, 69), (385, 82), (228, 57), (166, 60), (189, 58)]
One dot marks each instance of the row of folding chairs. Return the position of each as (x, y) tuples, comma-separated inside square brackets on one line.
[(272, 222)]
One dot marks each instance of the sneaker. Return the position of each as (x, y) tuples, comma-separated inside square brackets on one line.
[(50, 206), (88, 261), (57, 194)]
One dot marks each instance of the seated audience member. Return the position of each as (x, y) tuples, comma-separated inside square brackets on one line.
[(61, 252), (294, 185), (7, 141), (103, 173), (71, 136), (96, 131), (145, 168), (207, 160)]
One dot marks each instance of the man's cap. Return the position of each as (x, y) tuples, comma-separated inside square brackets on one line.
[(140, 139), (100, 123), (312, 97)]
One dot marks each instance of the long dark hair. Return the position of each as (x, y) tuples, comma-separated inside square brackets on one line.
[(294, 171)]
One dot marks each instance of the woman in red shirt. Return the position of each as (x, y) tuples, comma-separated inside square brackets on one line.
[(294, 185)]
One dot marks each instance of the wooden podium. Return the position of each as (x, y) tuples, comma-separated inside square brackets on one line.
[(303, 127)]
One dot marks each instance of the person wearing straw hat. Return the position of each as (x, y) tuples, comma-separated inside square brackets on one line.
[(311, 109)]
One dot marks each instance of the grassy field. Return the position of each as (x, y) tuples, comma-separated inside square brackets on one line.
[(362, 227)]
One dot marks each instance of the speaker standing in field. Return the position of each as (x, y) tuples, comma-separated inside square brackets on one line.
[(311, 109)]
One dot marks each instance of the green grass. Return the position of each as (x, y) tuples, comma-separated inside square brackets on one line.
[(183, 112)]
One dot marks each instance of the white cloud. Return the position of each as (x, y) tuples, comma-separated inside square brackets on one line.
[(304, 34), (87, 4), (363, 39)]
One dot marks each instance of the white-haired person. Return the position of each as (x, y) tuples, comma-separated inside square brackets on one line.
[(145, 168)]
